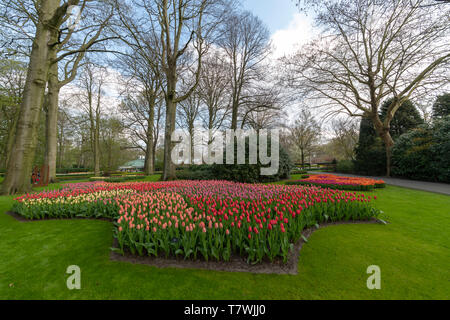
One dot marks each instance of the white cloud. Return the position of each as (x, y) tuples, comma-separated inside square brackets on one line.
[(287, 41)]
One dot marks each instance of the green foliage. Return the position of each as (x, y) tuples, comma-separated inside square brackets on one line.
[(441, 107), (345, 166), (424, 153), (441, 149), (196, 172), (69, 177), (73, 170), (251, 173), (406, 118), (370, 151), (299, 171)]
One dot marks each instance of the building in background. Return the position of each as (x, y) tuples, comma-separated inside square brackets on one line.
[(133, 166)]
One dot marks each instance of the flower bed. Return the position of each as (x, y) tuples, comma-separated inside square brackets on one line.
[(202, 219), (340, 182)]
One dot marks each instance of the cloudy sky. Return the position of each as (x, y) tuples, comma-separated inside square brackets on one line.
[(288, 27)]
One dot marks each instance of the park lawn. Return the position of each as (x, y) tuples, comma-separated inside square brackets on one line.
[(413, 253)]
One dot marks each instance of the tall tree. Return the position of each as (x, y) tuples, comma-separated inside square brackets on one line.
[(245, 41), (12, 82), (42, 26), (181, 30), (213, 91), (140, 62), (92, 83), (69, 52), (49, 16), (370, 50), (188, 113)]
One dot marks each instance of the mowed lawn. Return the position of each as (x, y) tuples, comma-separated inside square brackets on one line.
[(413, 252)]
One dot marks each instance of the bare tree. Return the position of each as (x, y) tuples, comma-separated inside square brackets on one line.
[(371, 50), (69, 53), (180, 31), (305, 133), (188, 113), (213, 90), (49, 17), (245, 41), (41, 26), (92, 82), (345, 138), (141, 63)]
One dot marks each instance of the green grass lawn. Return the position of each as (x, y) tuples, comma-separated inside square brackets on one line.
[(413, 252)]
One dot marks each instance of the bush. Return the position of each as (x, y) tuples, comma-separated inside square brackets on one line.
[(118, 179), (68, 177), (299, 171), (251, 173), (345, 166), (73, 170), (424, 153), (196, 172)]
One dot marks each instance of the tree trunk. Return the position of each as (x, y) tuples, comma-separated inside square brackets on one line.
[(191, 137), (169, 167), (11, 135), (303, 158), (18, 172), (234, 116), (148, 168), (97, 147), (150, 151), (169, 170), (52, 102), (389, 143), (383, 131)]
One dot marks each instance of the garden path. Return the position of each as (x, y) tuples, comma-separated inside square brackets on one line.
[(436, 187)]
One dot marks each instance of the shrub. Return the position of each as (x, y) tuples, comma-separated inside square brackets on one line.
[(299, 171), (424, 153), (251, 173), (345, 166), (196, 172), (73, 170)]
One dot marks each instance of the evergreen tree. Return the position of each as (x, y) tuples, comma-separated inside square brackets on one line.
[(370, 156), (370, 150), (441, 107), (406, 118)]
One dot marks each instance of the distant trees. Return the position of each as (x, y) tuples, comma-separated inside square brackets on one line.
[(92, 82), (12, 83), (345, 137), (304, 134)]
